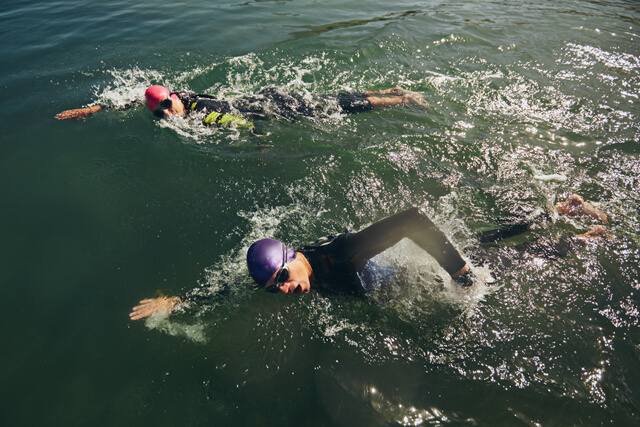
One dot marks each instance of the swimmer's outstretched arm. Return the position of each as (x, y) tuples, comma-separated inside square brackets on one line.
[(82, 113), (148, 307), (79, 113)]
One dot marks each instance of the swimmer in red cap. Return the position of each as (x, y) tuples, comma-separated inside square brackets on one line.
[(162, 103), (269, 103)]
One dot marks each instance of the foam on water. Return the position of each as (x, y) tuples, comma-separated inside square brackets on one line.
[(225, 285), (195, 332), (128, 86), (246, 75), (416, 294)]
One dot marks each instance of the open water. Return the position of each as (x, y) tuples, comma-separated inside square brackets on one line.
[(530, 102)]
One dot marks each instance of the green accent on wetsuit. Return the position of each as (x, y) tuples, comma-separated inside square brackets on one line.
[(216, 111), (271, 102), (225, 119)]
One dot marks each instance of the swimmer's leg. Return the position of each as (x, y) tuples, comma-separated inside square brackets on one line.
[(595, 232), (399, 96), (510, 229), (398, 91)]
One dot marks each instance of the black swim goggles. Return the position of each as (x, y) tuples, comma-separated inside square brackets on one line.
[(283, 273), (164, 104)]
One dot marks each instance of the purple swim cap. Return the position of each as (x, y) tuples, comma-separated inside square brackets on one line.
[(264, 258)]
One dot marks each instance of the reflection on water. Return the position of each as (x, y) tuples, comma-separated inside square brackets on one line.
[(317, 30)]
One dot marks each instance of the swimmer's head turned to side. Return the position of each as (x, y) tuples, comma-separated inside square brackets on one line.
[(162, 102)]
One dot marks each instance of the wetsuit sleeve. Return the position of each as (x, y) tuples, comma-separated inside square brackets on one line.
[(509, 228), (208, 104), (411, 224)]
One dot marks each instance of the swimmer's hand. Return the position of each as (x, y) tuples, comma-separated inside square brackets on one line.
[(148, 307), (575, 206), (463, 277), (79, 113)]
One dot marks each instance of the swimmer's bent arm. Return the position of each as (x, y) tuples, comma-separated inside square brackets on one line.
[(410, 224)]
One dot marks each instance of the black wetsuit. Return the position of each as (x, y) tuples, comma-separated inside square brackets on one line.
[(270, 102), (337, 260)]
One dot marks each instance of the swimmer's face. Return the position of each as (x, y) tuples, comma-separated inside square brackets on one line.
[(168, 107), (298, 281)]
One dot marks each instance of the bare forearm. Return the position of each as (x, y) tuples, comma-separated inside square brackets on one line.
[(79, 113)]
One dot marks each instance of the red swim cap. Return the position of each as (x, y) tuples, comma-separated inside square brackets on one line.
[(155, 94)]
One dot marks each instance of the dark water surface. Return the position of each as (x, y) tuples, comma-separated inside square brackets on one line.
[(531, 101)]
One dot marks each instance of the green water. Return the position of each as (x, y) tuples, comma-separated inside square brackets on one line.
[(530, 102)]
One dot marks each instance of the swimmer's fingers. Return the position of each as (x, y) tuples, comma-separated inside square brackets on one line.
[(79, 113), (145, 309), (148, 307), (142, 311)]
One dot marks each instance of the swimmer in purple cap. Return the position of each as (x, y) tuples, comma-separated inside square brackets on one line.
[(338, 260), (342, 261), (268, 103)]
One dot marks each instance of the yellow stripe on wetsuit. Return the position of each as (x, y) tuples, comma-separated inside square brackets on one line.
[(225, 119)]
